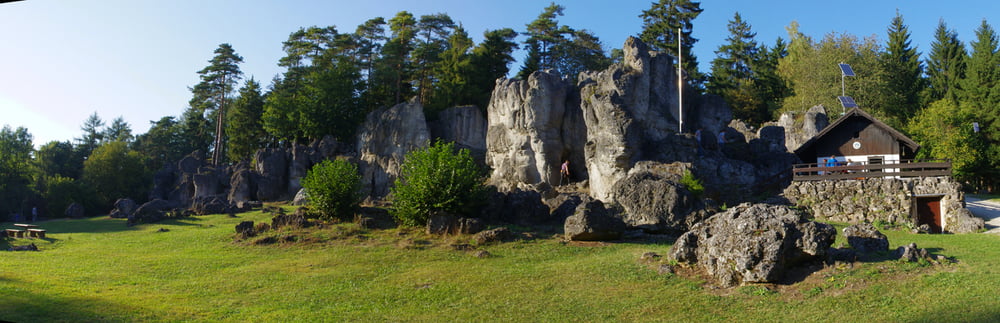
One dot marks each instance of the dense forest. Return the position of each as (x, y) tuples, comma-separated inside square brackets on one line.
[(334, 77)]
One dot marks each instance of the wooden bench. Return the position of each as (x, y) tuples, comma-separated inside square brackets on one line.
[(36, 233), (14, 233)]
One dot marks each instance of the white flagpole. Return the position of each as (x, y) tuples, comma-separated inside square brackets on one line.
[(680, 85)]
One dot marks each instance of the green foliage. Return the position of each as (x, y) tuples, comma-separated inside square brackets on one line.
[(945, 65), (743, 73), (659, 29), (244, 128), (15, 169), (164, 143), (59, 192), (903, 75), (944, 131), (561, 48), (57, 158), (114, 171), (218, 80), (437, 179), (692, 184), (334, 188), (811, 69)]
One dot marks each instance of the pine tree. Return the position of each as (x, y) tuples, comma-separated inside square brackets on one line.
[(491, 60), (217, 80), (659, 30), (981, 94), (119, 130), (903, 70), (244, 128), (433, 32), (733, 75), (945, 65), (454, 75)]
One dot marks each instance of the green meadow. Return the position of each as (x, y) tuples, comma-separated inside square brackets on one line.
[(192, 269)]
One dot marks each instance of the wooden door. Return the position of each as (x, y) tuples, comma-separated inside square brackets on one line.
[(929, 212)]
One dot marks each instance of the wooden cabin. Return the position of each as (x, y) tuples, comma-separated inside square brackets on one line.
[(860, 138)]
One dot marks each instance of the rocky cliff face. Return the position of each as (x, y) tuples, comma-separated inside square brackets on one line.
[(532, 129), (383, 142), (799, 130), (465, 126)]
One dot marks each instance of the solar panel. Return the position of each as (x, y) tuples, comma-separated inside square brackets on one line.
[(846, 69), (847, 102)]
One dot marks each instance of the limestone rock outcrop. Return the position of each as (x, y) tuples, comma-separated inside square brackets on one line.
[(272, 166), (593, 221), (383, 142), (124, 207), (653, 200), (799, 130), (753, 243), (865, 239), (465, 126), (532, 128)]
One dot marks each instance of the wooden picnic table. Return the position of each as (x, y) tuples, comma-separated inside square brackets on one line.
[(26, 226)]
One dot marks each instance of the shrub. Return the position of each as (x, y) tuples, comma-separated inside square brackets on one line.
[(692, 184), (437, 179), (333, 188)]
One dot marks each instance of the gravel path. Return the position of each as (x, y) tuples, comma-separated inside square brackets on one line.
[(989, 211)]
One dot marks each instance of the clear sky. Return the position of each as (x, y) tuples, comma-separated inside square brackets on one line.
[(61, 61)]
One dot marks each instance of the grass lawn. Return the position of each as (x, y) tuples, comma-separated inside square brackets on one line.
[(98, 269)]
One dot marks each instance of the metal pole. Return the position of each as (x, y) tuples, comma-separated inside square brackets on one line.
[(680, 85)]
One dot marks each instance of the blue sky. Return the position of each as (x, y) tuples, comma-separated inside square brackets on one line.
[(61, 61)]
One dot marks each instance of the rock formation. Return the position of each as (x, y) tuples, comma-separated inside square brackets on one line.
[(865, 239), (799, 130), (654, 201), (532, 129), (594, 222), (753, 243), (465, 126), (383, 142), (124, 207)]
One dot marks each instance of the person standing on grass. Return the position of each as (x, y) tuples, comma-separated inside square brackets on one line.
[(34, 213)]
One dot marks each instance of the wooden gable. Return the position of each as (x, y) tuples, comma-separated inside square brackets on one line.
[(857, 133)]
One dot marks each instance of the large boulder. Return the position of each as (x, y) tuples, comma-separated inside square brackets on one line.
[(210, 205), (525, 207), (123, 208), (298, 166), (384, 140), (206, 183), (966, 222), (532, 128), (654, 201), (151, 211), (865, 239), (272, 166), (242, 185), (753, 243), (594, 222)]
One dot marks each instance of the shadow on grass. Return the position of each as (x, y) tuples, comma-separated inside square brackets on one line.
[(30, 305)]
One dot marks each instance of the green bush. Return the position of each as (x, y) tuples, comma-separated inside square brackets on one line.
[(437, 179), (333, 188), (692, 184)]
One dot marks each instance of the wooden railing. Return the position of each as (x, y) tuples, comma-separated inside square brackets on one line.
[(905, 168)]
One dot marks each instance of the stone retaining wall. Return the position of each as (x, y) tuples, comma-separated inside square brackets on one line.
[(869, 200)]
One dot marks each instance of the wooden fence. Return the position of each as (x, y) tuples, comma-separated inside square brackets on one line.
[(904, 168)]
